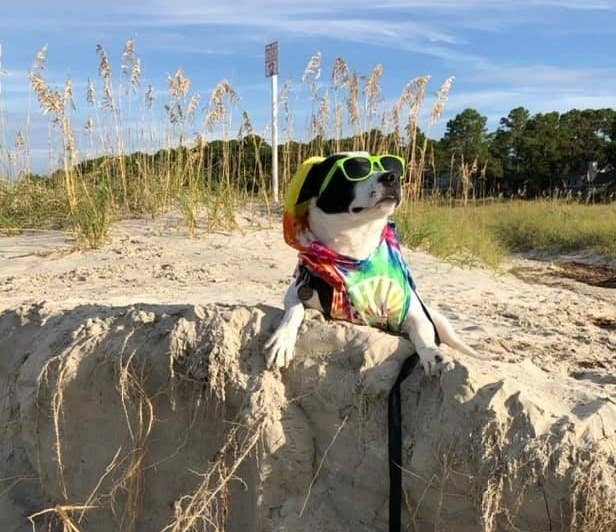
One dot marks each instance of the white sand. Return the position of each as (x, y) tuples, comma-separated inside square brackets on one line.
[(529, 422)]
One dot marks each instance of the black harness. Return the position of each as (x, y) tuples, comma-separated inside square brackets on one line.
[(394, 435)]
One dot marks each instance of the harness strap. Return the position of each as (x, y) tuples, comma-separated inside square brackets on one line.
[(394, 444), (394, 435)]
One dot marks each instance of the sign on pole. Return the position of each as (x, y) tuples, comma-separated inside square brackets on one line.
[(271, 71), (271, 59)]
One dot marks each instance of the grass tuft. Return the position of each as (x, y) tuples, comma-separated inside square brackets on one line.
[(485, 234)]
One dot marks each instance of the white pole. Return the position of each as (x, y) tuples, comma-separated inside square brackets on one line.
[(275, 137)]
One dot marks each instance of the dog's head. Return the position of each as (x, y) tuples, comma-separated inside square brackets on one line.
[(354, 183)]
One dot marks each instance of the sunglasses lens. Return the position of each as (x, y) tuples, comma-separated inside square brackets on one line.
[(357, 167), (392, 164)]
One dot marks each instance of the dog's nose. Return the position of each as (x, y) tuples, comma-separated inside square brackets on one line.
[(388, 178)]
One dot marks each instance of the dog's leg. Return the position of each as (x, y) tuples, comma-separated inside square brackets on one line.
[(449, 337), (420, 331), (281, 346)]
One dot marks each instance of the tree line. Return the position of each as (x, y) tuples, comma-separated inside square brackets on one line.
[(535, 153), (526, 155)]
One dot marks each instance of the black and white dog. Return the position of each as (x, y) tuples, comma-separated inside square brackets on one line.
[(348, 198)]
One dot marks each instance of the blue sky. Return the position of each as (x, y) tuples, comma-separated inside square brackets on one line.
[(543, 54)]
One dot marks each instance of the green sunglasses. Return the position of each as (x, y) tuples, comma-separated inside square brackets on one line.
[(360, 167)]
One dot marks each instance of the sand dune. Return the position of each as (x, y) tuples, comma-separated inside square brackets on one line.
[(134, 395)]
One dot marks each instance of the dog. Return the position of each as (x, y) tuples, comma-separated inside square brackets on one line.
[(350, 264)]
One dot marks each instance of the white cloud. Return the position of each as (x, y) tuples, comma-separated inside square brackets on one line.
[(430, 27), (292, 8), (497, 103), (543, 74)]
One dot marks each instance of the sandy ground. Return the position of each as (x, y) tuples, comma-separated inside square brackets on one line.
[(122, 375), (533, 313)]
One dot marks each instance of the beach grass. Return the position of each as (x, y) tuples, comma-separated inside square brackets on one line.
[(209, 175), (487, 232)]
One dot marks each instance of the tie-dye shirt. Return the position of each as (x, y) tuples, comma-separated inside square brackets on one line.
[(375, 291)]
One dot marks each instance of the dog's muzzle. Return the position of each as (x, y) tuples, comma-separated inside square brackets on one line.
[(390, 181)]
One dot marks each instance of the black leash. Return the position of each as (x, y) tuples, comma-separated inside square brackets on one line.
[(394, 421), (394, 430)]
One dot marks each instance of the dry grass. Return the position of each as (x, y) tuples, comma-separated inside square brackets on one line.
[(504, 483), (64, 515), (87, 198), (485, 234), (138, 411), (207, 507), (591, 505), (120, 485), (321, 462), (124, 494), (500, 479), (208, 179)]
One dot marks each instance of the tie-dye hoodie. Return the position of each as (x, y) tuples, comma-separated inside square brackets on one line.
[(374, 291)]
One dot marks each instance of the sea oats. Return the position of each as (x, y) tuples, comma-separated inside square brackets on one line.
[(171, 113), (283, 94), (217, 108), (50, 100), (91, 93), (353, 107), (413, 97), (54, 102), (284, 100), (68, 92), (322, 119), (246, 128), (178, 84), (312, 72), (104, 67), (373, 90), (104, 70), (395, 118), (20, 141), (128, 56), (193, 106), (150, 96), (340, 74), (135, 75), (200, 142), (441, 99), (40, 59), (338, 119)]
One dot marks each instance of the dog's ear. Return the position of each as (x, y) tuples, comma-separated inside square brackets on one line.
[(314, 178)]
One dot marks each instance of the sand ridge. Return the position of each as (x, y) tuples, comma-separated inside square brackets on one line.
[(135, 395), (154, 261)]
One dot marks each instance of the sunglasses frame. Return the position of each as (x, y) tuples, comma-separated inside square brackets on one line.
[(373, 159)]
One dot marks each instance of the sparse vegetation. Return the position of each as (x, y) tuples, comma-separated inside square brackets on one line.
[(208, 175), (484, 233)]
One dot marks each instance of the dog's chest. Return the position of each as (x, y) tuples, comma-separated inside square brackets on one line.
[(378, 289)]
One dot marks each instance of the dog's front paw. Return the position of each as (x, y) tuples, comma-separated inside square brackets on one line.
[(280, 348), (432, 360)]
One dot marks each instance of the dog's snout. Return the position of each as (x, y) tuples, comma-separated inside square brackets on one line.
[(388, 178)]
